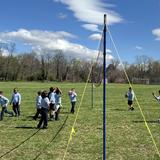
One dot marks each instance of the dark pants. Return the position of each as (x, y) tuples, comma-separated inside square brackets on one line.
[(16, 109), (44, 118), (37, 113), (72, 106), (57, 114), (51, 110), (5, 110)]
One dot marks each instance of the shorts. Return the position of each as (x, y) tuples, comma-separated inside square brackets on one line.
[(130, 102)]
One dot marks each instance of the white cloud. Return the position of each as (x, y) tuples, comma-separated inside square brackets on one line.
[(92, 11), (91, 27), (138, 47), (62, 15), (47, 41), (109, 52), (156, 32), (4, 52), (95, 36)]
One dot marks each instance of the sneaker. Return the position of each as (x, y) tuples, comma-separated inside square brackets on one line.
[(51, 119), (34, 118), (38, 127), (44, 127)]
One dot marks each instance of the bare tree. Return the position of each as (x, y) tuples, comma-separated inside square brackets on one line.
[(10, 48)]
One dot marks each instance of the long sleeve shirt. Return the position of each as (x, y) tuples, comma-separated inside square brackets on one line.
[(52, 97), (38, 101), (45, 103), (73, 96), (3, 101), (58, 99), (16, 98)]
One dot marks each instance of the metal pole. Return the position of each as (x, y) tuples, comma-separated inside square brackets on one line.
[(104, 90), (92, 96)]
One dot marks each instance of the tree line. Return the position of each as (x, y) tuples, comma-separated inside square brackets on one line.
[(57, 67), (44, 67), (143, 68)]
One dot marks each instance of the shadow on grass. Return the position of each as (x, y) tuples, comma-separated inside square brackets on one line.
[(25, 127), (118, 109), (64, 112), (152, 121), (14, 148), (99, 128), (29, 116)]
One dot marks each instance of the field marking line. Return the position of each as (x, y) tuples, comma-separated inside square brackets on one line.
[(73, 126)]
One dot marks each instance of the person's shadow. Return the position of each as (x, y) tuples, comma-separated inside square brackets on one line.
[(150, 121), (25, 127)]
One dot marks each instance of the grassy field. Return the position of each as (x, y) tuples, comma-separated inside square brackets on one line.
[(127, 135)]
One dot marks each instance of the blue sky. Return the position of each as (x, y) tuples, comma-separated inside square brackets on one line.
[(74, 26)]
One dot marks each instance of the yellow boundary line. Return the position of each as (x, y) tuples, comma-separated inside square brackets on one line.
[(73, 130), (73, 126)]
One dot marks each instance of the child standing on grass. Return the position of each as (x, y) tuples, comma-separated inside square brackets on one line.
[(52, 103), (38, 105), (130, 95), (44, 111), (72, 95), (58, 94), (16, 101), (4, 102)]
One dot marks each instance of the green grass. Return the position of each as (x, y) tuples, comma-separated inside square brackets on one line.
[(127, 135)]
